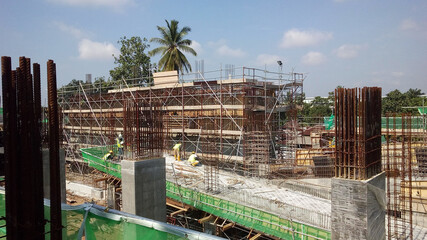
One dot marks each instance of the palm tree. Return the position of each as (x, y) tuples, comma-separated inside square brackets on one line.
[(173, 44)]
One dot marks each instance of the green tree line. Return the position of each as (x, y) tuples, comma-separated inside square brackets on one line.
[(394, 102)]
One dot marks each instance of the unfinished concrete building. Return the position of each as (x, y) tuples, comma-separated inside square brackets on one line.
[(220, 118), (264, 174)]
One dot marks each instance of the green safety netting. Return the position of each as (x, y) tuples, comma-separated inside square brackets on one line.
[(393, 122), (329, 122), (422, 110), (396, 123), (93, 222), (94, 157), (244, 215)]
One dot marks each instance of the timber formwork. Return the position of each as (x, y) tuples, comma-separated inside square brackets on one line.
[(233, 122)]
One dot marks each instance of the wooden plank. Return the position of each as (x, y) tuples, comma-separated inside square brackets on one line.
[(227, 226), (165, 73), (205, 219), (255, 237), (178, 212)]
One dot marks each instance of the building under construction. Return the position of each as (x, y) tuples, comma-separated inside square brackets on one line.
[(219, 115), (264, 172)]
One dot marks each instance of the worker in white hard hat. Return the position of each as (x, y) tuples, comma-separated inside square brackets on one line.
[(120, 145), (177, 151), (109, 156), (193, 159)]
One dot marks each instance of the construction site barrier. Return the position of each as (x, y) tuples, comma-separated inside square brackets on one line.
[(97, 222)]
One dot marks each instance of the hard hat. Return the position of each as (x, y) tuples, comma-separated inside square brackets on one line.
[(120, 135), (111, 151), (193, 152)]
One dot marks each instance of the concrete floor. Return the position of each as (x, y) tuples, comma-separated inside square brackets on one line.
[(266, 195)]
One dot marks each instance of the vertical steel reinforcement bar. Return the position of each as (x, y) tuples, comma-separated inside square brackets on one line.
[(358, 132), (55, 187), (10, 147), (24, 218)]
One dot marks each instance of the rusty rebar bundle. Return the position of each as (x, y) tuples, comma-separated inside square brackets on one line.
[(55, 186), (143, 129), (23, 160), (358, 132)]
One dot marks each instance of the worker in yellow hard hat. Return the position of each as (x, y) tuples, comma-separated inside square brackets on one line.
[(177, 151), (193, 159), (109, 156), (120, 142)]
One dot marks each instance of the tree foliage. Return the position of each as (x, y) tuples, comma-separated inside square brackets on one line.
[(172, 47), (395, 101), (71, 87), (132, 62), (319, 107)]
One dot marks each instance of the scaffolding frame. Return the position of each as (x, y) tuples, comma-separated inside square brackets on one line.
[(220, 118)]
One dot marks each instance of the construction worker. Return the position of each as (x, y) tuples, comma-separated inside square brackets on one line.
[(177, 151), (120, 142), (193, 159), (109, 156)]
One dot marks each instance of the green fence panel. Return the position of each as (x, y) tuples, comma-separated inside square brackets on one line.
[(100, 225)]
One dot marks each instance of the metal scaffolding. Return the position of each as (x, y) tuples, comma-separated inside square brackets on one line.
[(245, 122)]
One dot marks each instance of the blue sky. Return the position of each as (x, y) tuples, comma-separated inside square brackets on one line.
[(352, 43)]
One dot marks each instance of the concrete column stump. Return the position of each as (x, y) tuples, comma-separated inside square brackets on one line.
[(144, 188)]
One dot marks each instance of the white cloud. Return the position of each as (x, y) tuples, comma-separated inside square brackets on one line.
[(96, 50), (397, 74), (197, 47), (313, 58), (225, 50), (298, 38), (94, 3), (348, 51), (73, 31), (267, 59), (408, 24)]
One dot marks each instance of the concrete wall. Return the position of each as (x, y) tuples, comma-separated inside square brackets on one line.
[(46, 174), (83, 190), (144, 188), (358, 208)]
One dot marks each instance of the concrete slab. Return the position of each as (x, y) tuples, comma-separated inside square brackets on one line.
[(258, 193)]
